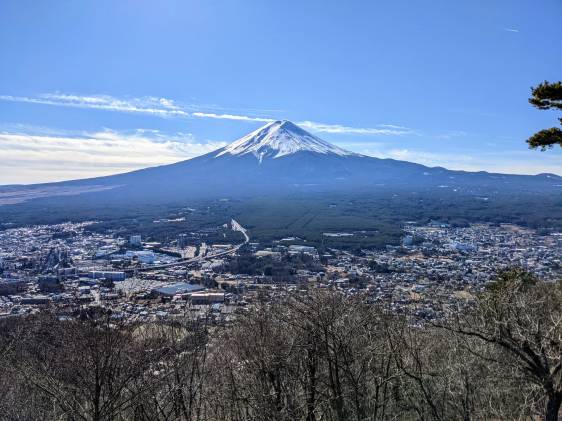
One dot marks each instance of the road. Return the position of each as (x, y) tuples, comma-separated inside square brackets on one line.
[(237, 227)]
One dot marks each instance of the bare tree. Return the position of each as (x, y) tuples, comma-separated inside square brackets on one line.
[(312, 357), (522, 317), (91, 369)]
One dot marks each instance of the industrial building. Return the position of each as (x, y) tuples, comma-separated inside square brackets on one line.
[(110, 276), (178, 288)]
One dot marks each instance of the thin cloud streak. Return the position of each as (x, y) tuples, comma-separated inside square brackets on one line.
[(339, 129), (231, 117), (511, 30), (168, 108), (161, 107)]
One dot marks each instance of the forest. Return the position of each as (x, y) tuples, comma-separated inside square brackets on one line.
[(317, 356), (375, 219)]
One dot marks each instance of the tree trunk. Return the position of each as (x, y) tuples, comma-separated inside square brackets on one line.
[(311, 395), (553, 407)]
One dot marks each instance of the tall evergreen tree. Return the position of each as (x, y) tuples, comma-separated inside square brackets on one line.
[(547, 96)]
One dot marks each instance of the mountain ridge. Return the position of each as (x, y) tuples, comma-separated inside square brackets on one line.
[(279, 157)]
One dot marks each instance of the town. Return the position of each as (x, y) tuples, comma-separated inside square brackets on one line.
[(67, 267)]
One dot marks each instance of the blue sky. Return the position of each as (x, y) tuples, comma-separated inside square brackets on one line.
[(98, 87)]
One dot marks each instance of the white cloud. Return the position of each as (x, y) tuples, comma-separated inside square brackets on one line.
[(231, 117), (339, 129), (511, 30), (26, 158), (394, 126), (161, 107), (168, 108), (508, 162)]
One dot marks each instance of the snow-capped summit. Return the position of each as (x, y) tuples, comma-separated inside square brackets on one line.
[(280, 138)]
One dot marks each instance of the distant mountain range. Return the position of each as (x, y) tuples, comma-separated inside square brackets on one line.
[(280, 157)]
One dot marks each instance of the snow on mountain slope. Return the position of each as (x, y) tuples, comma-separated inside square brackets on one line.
[(280, 138)]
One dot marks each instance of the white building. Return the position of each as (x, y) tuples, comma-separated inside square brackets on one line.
[(110, 276), (143, 256), (135, 240)]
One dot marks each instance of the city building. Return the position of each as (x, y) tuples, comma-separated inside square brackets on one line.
[(135, 240), (107, 275), (178, 288)]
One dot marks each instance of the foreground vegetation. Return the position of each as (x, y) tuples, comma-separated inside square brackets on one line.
[(319, 357)]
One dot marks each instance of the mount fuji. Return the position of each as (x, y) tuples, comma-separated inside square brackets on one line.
[(278, 139), (279, 157)]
